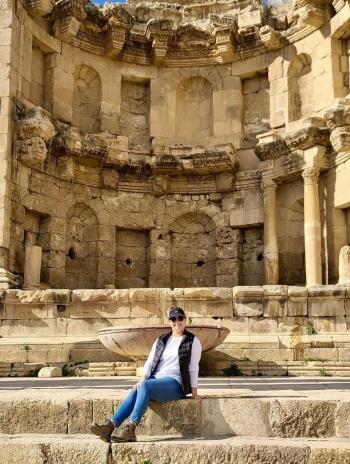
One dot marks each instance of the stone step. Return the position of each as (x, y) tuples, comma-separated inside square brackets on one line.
[(112, 369), (86, 449), (71, 412)]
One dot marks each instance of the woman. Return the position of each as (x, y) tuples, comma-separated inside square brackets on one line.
[(170, 373)]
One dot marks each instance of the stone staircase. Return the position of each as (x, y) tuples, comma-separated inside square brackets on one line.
[(52, 426)]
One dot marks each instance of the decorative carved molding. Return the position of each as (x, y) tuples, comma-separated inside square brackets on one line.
[(206, 162), (234, 29), (271, 150), (314, 13), (39, 7), (159, 31), (160, 185), (119, 24), (269, 187), (270, 38), (68, 16), (311, 175), (340, 139), (339, 115), (307, 137)]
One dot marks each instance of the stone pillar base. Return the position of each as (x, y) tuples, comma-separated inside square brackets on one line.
[(7, 279)]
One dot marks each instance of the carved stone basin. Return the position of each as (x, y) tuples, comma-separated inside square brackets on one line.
[(136, 342)]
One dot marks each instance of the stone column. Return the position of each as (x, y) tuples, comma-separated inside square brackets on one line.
[(344, 265), (32, 267), (270, 233), (312, 227)]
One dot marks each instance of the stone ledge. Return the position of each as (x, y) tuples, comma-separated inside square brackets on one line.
[(39, 449), (72, 413)]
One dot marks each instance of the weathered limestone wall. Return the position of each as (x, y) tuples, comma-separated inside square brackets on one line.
[(270, 323), (126, 143)]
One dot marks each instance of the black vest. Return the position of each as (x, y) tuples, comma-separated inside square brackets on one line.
[(185, 350)]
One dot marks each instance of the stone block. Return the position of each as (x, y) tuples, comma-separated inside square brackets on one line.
[(302, 418), (275, 300), (80, 416), (297, 301), (248, 301), (342, 419), (232, 417), (49, 372), (28, 415)]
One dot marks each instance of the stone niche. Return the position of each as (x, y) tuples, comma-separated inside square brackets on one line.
[(252, 272), (256, 107), (291, 245), (193, 251), (82, 262), (87, 96), (135, 109), (37, 85), (300, 87), (194, 110), (32, 232), (132, 259)]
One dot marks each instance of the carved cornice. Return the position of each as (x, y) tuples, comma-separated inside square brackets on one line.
[(232, 30), (68, 16), (207, 162), (66, 8), (339, 115), (270, 38), (271, 150), (314, 13), (39, 7), (159, 31), (311, 175), (307, 137)]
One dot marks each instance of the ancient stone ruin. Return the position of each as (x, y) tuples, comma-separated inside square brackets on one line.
[(182, 152)]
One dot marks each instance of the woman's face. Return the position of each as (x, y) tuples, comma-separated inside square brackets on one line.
[(177, 326)]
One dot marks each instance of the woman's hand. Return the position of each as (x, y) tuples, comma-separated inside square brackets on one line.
[(198, 397), (139, 383)]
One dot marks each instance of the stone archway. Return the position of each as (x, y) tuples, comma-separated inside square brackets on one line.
[(193, 251)]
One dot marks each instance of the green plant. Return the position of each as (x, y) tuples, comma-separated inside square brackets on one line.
[(34, 372), (323, 373), (68, 371), (310, 329), (146, 461), (232, 371)]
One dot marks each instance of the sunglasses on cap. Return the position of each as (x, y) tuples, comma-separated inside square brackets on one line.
[(177, 318)]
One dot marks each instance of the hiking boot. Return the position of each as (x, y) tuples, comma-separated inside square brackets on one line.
[(124, 433), (103, 430)]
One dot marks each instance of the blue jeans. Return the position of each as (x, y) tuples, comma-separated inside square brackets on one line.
[(135, 404)]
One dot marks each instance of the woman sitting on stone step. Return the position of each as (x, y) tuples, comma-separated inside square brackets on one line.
[(170, 373)]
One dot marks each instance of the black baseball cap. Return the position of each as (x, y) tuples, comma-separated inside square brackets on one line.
[(176, 311)]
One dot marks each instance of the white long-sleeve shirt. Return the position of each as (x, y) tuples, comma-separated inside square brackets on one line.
[(169, 361)]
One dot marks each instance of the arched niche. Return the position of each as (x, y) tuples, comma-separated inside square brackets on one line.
[(300, 87), (87, 96), (81, 269), (193, 251), (194, 108)]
